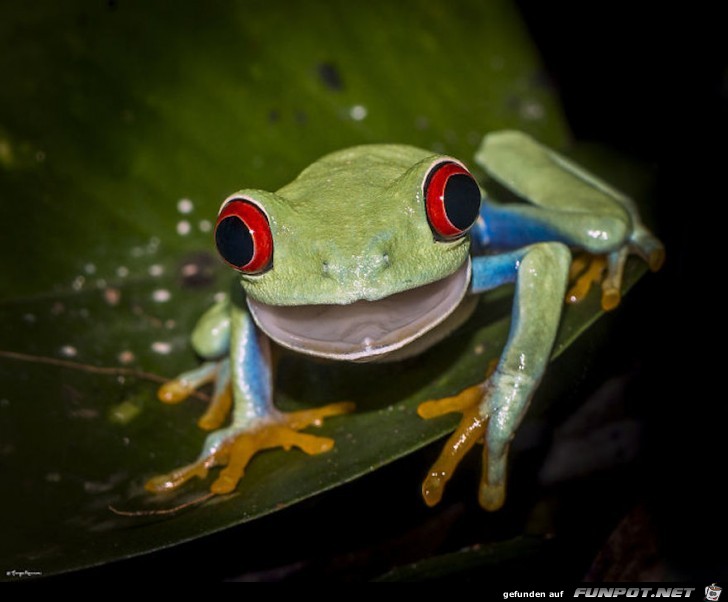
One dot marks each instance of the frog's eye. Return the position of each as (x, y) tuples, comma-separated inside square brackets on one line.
[(452, 200), (243, 236)]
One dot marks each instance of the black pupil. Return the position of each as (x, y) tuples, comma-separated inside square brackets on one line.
[(461, 200), (234, 241)]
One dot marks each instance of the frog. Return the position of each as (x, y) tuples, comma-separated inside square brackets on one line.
[(376, 253)]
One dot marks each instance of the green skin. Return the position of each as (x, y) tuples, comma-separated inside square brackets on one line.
[(351, 229)]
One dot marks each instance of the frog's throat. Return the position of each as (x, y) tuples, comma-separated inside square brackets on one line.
[(390, 328)]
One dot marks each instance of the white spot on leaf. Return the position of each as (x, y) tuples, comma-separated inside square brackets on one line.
[(190, 269), (161, 295), (125, 357), (185, 206), (112, 296), (532, 110), (358, 112), (161, 347), (69, 351)]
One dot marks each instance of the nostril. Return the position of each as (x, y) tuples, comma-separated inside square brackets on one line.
[(327, 270), (355, 267)]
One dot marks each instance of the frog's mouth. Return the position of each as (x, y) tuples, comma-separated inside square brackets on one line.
[(368, 330)]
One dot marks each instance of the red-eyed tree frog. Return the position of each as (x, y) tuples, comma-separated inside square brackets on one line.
[(377, 252)]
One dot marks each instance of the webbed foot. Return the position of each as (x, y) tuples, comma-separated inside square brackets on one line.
[(473, 404), (234, 447), (470, 431), (180, 388), (608, 270), (586, 271)]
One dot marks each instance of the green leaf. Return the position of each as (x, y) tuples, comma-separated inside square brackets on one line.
[(122, 128)]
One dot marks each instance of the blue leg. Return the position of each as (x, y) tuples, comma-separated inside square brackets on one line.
[(493, 409), (564, 203), (508, 226), (250, 379), (244, 380)]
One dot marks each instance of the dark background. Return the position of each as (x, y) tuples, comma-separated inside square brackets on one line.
[(653, 83)]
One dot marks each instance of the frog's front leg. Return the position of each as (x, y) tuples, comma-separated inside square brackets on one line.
[(566, 204), (256, 424), (493, 409)]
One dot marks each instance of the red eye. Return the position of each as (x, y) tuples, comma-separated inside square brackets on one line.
[(243, 236), (452, 200)]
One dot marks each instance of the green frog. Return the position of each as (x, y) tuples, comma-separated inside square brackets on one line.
[(377, 252)]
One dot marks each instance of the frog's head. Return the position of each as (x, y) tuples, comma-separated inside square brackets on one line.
[(366, 251)]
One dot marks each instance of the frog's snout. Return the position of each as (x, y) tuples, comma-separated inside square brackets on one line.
[(356, 267)]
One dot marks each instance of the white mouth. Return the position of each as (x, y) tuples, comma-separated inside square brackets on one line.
[(364, 330)]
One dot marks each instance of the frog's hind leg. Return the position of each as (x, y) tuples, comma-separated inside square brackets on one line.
[(566, 204), (256, 425)]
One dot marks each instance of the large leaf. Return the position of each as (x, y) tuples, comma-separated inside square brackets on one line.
[(121, 128)]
